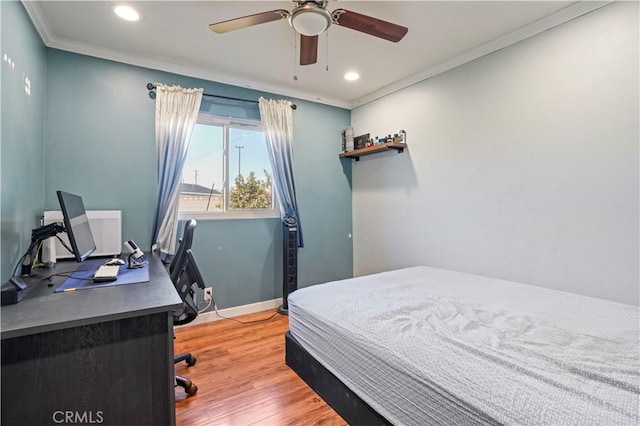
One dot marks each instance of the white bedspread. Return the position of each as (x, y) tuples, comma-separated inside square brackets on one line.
[(429, 346)]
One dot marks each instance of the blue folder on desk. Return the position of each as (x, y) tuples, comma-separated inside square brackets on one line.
[(82, 278)]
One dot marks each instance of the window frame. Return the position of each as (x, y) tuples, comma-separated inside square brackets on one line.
[(227, 123)]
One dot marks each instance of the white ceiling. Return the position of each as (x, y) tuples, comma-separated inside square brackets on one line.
[(174, 36)]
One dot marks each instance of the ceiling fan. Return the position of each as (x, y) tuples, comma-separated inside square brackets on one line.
[(310, 18)]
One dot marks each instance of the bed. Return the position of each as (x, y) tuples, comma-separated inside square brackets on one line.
[(428, 346)]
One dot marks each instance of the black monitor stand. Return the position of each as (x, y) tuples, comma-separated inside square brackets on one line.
[(38, 235), (15, 292)]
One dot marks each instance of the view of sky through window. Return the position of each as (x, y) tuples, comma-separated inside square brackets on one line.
[(203, 176), (204, 163)]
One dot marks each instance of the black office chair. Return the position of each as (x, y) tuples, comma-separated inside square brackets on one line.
[(184, 244), (185, 274)]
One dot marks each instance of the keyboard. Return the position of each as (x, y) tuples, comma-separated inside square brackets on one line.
[(106, 273)]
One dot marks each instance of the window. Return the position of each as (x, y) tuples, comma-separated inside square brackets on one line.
[(227, 173)]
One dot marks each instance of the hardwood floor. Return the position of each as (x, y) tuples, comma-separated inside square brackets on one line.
[(242, 378)]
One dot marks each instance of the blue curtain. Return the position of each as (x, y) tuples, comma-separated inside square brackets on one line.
[(176, 116), (277, 122)]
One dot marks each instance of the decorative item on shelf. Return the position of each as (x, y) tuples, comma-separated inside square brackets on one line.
[(347, 139), (360, 142), (400, 136)]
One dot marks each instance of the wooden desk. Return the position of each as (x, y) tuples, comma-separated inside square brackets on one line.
[(101, 355)]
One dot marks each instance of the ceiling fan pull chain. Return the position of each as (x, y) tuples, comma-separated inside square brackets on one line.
[(326, 44), (295, 55)]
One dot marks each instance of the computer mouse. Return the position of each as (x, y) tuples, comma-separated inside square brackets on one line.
[(115, 262)]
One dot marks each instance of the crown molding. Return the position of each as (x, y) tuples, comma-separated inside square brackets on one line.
[(567, 14), (38, 20), (50, 40), (195, 72)]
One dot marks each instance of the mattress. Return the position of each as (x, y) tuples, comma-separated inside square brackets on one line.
[(427, 346)]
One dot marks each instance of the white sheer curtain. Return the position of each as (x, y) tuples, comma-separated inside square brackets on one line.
[(277, 122), (176, 115)]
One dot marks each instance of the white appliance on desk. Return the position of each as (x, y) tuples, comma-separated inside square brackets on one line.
[(106, 227)]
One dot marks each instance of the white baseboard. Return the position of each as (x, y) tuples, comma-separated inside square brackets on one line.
[(236, 311)]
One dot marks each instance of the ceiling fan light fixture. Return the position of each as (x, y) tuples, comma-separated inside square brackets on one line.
[(310, 20)]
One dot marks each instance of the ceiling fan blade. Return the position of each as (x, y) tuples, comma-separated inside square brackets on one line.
[(248, 21), (308, 49), (368, 25)]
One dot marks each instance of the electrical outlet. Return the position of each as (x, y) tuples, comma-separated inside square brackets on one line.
[(208, 294)]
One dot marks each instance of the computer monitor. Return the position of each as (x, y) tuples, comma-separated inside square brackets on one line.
[(76, 225)]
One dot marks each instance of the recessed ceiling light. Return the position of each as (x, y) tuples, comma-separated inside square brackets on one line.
[(126, 12), (351, 76)]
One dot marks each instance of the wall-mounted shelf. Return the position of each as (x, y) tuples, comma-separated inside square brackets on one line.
[(357, 153)]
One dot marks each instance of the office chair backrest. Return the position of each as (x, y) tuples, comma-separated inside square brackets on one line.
[(188, 276), (184, 244)]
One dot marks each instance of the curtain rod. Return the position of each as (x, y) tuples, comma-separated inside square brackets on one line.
[(151, 87)]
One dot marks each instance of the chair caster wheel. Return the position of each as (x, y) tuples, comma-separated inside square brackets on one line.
[(191, 361), (191, 390)]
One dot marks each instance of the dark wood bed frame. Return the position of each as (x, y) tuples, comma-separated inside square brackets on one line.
[(342, 399)]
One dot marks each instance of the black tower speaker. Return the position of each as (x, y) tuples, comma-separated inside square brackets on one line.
[(289, 261)]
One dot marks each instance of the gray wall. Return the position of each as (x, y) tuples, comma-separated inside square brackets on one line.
[(96, 137), (22, 131), (521, 165)]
